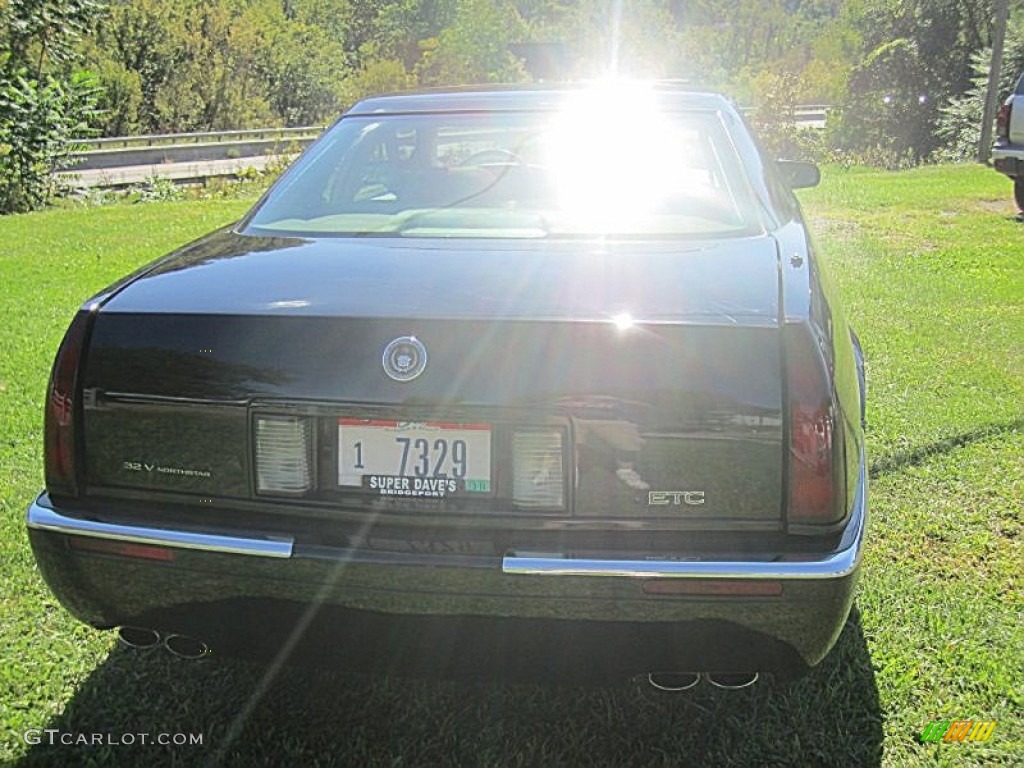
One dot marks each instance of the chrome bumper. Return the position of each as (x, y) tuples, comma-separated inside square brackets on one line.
[(835, 565), (1009, 160), (43, 518), (259, 576)]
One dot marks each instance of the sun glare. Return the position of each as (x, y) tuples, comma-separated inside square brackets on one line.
[(623, 321), (616, 156)]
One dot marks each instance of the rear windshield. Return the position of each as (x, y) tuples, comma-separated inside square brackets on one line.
[(515, 175)]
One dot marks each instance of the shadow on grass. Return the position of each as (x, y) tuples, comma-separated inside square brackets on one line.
[(916, 456), (830, 717)]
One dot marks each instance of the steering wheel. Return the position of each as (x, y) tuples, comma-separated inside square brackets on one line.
[(492, 157)]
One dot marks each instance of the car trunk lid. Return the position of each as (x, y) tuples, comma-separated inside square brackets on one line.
[(616, 381)]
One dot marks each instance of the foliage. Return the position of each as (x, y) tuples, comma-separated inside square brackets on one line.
[(474, 49), (377, 76), (305, 60), (120, 99), (35, 32), (157, 189), (888, 111), (194, 65), (36, 122), (960, 118), (917, 53), (304, 69), (642, 38), (44, 103), (214, 83), (774, 118)]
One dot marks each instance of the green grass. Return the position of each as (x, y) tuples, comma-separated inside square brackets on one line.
[(931, 266)]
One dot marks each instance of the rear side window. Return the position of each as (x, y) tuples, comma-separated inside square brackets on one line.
[(596, 171)]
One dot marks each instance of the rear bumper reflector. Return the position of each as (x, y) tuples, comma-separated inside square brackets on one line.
[(714, 587), (122, 549)]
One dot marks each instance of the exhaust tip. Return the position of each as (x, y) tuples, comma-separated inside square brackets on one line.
[(673, 682), (732, 681), (138, 637), (186, 647)]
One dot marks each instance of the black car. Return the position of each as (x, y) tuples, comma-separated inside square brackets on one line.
[(530, 381)]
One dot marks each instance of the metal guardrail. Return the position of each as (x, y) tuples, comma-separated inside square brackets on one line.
[(809, 114), (173, 139), (815, 115), (157, 151)]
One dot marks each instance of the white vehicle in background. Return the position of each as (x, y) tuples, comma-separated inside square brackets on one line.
[(1008, 152)]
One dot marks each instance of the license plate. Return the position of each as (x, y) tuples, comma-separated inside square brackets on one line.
[(414, 459)]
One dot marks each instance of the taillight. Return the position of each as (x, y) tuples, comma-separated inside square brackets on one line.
[(816, 492), (1003, 121), (62, 405), (284, 455), (537, 469)]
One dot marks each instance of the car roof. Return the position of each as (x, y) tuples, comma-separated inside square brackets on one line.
[(522, 98)]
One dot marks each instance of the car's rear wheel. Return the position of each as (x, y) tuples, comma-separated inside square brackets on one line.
[(1018, 193)]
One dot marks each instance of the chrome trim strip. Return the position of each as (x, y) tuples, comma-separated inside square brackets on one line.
[(43, 518), (836, 565), (140, 399)]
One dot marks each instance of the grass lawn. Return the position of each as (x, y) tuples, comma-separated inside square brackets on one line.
[(931, 264)]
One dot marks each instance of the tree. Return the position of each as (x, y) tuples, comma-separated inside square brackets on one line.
[(216, 82), (474, 49), (992, 86), (918, 55), (132, 52), (376, 76), (45, 103), (304, 69), (889, 113), (217, 64), (37, 33)]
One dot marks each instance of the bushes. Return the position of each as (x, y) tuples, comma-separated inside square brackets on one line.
[(44, 103), (959, 123), (37, 122)]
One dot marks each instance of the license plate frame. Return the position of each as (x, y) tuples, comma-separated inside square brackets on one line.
[(372, 454)]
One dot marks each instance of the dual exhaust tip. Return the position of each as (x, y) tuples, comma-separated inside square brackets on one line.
[(186, 647), (182, 646), (677, 682)]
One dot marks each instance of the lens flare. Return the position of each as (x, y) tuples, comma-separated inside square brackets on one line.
[(616, 157)]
